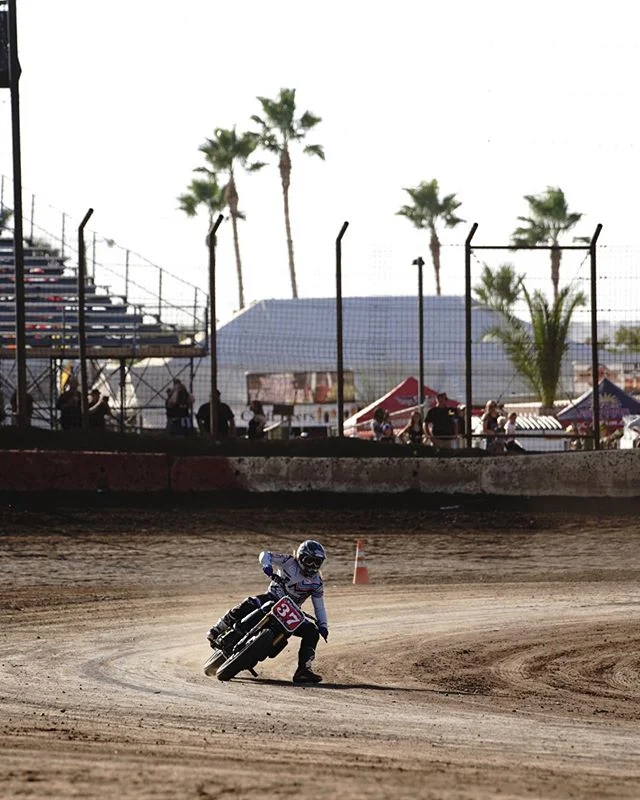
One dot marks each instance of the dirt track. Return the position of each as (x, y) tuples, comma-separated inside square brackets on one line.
[(490, 656)]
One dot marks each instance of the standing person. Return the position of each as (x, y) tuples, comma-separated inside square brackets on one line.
[(376, 424), (302, 579), (498, 439), (179, 405), (512, 445), (257, 421), (169, 410), (226, 419), (438, 424), (412, 431), (490, 424), (69, 405), (388, 434), (99, 410), (459, 426)]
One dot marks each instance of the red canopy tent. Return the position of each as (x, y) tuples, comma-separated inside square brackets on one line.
[(400, 402)]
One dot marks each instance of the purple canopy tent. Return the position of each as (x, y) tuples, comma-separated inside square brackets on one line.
[(614, 405)]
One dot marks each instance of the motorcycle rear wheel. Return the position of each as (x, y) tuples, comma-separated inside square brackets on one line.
[(216, 659), (256, 650)]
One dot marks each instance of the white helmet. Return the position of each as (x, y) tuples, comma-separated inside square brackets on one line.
[(310, 555)]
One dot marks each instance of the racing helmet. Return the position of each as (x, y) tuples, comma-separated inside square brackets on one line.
[(310, 555)]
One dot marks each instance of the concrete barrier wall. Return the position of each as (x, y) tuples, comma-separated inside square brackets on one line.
[(610, 473), (48, 470)]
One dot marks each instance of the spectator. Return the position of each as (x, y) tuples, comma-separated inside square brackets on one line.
[(438, 426), (226, 419), (460, 426), (14, 408), (498, 439), (512, 445), (388, 434), (377, 423), (489, 424), (69, 405), (179, 407), (99, 410), (257, 421), (412, 431)]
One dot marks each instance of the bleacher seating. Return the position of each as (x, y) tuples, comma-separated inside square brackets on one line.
[(51, 308)]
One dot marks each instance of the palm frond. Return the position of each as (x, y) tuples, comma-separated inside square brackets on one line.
[(315, 150), (308, 121)]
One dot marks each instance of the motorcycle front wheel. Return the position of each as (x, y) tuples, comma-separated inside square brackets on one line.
[(255, 650), (216, 659)]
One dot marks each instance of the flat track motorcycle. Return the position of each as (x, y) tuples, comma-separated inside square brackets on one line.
[(262, 634)]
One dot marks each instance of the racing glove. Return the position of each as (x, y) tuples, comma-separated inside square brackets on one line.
[(324, 631), (268, 570)]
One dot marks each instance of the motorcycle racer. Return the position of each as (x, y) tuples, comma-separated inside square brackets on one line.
[(301, 578)]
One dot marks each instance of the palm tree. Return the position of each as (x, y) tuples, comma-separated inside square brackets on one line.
[(536, 350), (203, 192), (500, 289), (278, 128), (223, 154), (427, 210), (549, 219)]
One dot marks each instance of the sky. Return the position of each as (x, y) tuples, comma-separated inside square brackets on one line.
[(493, 99)]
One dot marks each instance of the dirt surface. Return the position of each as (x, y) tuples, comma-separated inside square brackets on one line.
[(491, 655)]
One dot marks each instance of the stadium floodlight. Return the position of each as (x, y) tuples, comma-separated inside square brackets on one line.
[(419, 262)]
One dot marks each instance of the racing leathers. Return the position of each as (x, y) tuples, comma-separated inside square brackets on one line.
[(299, 587)]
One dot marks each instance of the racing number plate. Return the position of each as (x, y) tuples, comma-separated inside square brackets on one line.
[(288, 614)]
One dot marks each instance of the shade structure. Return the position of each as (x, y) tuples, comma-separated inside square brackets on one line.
[(400, 402), (614, 405)]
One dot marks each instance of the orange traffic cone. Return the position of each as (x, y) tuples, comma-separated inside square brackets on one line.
[(360, 572)]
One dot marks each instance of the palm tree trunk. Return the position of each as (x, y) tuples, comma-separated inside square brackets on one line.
[(232, 200), (236, 247), (556, 255), (285, 177), (434, 246)]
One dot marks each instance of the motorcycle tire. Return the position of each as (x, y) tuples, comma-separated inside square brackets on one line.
[(256, 650), (215, 660)]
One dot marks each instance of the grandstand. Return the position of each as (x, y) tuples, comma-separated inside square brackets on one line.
[(118, 331), (114, 328)]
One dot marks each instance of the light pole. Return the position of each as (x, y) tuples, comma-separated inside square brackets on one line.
[(18, 243), (418, 262)]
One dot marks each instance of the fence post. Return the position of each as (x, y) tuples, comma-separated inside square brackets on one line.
[(82, 337), (595, 366), (339, 340), (467, 326), (213, 343)]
